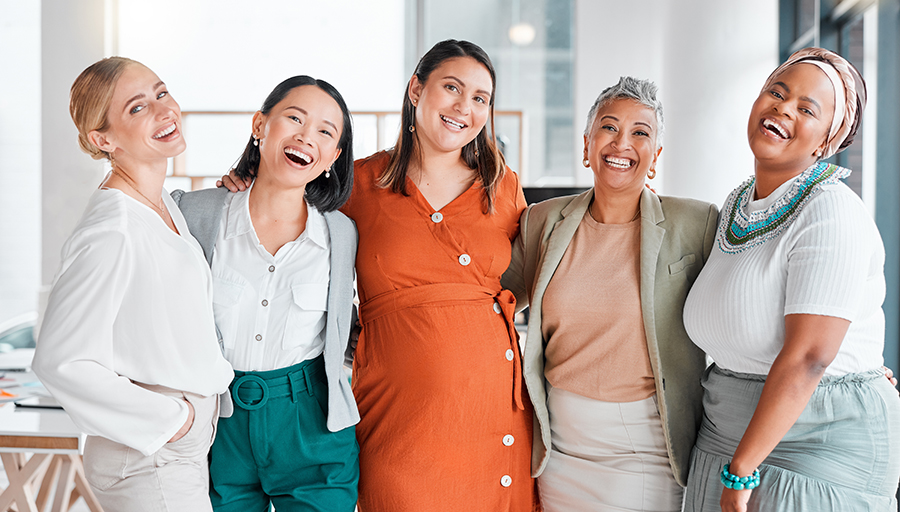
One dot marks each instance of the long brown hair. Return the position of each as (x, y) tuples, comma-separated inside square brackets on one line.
[(481, 154)]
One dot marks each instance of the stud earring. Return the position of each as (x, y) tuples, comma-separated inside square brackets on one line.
[(586, 162), (412, 128), (651, 173)]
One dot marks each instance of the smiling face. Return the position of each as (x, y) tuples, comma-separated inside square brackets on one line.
[(298, 137), (621, 147), (453, 105), (144, 120), (789, 121)]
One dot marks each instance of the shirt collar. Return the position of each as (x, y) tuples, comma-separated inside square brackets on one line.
[(316, 229), (238, 222)]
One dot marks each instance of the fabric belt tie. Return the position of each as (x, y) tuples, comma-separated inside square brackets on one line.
[(452, 293), (251, 390)]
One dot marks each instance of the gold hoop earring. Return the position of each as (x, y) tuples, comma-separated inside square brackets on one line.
[(586, 162), (651, 173)]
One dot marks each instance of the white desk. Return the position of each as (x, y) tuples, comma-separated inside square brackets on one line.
[(56, 445)]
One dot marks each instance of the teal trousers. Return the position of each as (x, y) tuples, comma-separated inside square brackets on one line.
[(275, 448)]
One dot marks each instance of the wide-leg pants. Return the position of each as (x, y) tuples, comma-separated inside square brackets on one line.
[(842, 454), (173, 479), (276, 448)]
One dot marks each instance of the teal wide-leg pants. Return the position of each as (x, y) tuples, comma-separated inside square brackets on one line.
[(276, 449)]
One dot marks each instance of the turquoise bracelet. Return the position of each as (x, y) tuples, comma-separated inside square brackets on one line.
[(739, 483)]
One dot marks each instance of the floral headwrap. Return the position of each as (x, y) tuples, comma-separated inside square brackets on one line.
[(849, 94)]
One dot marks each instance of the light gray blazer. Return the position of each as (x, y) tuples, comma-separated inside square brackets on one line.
[(676, 238), (203, 210)]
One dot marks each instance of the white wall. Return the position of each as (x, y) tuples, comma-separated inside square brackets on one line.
[(20, 157), (715, 59), (229, 54), (72, 38), (709, 58)]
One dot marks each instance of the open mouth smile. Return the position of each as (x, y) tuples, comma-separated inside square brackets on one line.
[(776, 129), (165, 132), (618, 163), (454, 123), (297, 156)]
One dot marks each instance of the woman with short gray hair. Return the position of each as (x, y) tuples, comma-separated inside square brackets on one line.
[(606, 274)]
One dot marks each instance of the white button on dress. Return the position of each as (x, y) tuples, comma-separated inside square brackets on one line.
[(506, 481), (465, 259), (497, 308), (508, 440), (437, 217), (509, 354)]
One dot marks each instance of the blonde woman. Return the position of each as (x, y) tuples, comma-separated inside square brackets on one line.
[(128, 343)]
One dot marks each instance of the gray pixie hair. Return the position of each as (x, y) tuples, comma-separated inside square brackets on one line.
[(641, 91)]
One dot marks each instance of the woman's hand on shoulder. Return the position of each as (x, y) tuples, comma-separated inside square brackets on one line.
[(233, 183)]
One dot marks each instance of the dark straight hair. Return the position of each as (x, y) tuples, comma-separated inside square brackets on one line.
[(326, 194), (481, 154)]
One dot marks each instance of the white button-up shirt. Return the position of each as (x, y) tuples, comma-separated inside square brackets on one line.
[(269, 308), (131, 303)]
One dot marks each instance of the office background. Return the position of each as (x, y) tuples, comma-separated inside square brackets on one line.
[(553, 57)]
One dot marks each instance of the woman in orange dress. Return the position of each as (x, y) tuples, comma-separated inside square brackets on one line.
[(446, 424), (445, 421)]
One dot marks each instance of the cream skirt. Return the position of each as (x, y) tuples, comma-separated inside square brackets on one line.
[(606, 457)]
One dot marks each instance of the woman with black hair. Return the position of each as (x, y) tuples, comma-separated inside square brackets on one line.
[(282, 261), (446, 423)]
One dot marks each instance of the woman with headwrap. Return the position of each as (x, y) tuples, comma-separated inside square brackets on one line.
[(798, 415)]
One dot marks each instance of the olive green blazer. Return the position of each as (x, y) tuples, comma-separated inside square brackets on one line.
[(676, 238)]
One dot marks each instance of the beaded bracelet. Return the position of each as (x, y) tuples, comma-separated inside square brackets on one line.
[(739, 483)]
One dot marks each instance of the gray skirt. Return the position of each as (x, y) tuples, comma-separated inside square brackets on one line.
[(842, 454)]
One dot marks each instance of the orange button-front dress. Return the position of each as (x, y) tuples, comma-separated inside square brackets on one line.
[(446, 423)]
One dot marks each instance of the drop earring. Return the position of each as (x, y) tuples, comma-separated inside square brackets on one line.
[(255, 140), (651, 173), (328, 172), (586, 162)]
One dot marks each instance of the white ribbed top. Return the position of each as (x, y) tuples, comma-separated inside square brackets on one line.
[(829, 261)]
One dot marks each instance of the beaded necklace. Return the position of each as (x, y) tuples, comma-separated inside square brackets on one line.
[(741, 229)]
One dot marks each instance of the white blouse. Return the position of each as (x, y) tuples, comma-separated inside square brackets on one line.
[(131, 304), (829, 261), (269, 308)]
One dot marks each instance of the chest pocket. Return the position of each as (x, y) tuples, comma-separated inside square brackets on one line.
[(682, 264), (226, 295), (306, 317)]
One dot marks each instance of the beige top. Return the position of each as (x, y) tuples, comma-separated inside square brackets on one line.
[(592, 316)]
